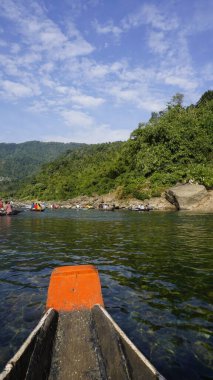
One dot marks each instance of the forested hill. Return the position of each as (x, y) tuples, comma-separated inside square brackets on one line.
[(83, 171), (20, 160), (175, 145)]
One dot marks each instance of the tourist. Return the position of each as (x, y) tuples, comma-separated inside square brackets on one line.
[(8, 208), (38, 206), (1, 204)]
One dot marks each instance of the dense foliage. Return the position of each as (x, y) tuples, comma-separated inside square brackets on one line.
[(18, 161), (84, 171), (174, 146)]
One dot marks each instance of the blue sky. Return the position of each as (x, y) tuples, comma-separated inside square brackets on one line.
[(91, 70)]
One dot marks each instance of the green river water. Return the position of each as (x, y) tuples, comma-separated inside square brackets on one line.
[(155, 270)]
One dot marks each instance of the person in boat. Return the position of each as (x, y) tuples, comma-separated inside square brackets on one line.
[(1, 204), (8, 208), (147, 207), (141, 207), (34, 206), (38, 206), (55, 206)]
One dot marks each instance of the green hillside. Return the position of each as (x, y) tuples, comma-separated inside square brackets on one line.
[(84, 171), (20, 160), (174, 146)]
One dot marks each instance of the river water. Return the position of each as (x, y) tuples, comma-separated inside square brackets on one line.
[(155, 271)]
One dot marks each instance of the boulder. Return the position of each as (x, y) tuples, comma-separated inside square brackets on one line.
[(187, 196), (161, 204), (206, 204)]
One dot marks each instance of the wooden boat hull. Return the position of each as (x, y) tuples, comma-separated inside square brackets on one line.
[(106, 208), (141, 210), (72, 342), (86, 343), (14, 212), (37, 210), (146, 208)]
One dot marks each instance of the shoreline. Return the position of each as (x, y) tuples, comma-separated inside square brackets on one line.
[(156, 203)]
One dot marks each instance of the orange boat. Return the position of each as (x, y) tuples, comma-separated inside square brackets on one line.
[(77, 338)]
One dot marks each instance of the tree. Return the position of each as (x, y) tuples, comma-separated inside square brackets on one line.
[(206, 97), (177, 100)]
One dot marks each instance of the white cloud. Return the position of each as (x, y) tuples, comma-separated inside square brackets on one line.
[(83, 128), (123, 94), (61, 89), (42, 34), (147, 14), (151, 15), (37, 107), (140, 97), (10, 9), (109, 27), (179, 76), (157, 42), (94, 135), (87, 101), (93, 70), (15, 48), (99, 71), (33, 62), (159, 20), (77, 119), (46, 81), (16, 90), (181, 82), (47, 67)]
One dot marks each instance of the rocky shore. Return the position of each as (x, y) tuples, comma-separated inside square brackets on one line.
[(191, 197)]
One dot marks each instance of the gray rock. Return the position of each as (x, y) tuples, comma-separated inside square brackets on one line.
[(186, 197)]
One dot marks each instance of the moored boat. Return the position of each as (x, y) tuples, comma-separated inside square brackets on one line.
[(106, 207), (141, 208), (55, 206), (35, 209), (89, 207), (14, 212), (77, 338), (36, 206)]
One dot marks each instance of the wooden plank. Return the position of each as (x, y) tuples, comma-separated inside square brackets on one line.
[(17, 367), (40, 361), (121, 357), (75, 354), (111, 351)]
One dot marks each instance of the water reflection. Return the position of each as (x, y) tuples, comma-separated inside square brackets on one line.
[(155, 274)]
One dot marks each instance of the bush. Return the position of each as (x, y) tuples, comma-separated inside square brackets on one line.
[(142, 195), (156, 193), (202, 174)]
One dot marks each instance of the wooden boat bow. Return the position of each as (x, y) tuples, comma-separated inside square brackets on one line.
[(77, 338), (73, 288)]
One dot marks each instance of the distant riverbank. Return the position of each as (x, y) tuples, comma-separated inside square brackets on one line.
[(184, 197)]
